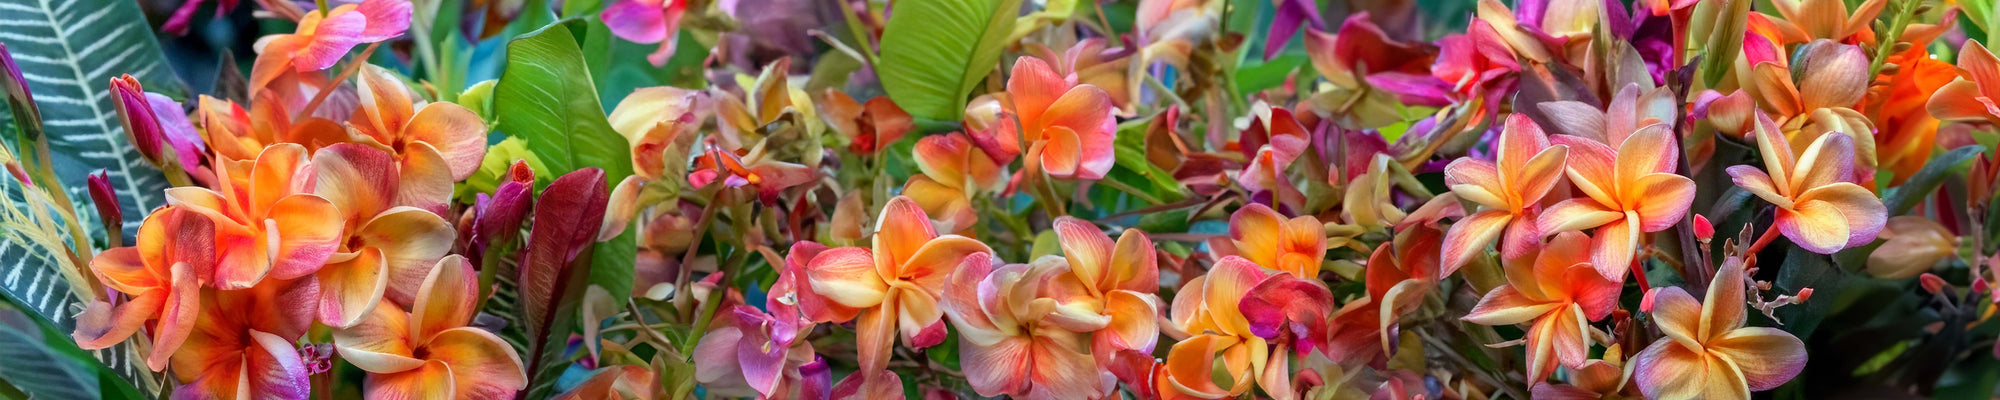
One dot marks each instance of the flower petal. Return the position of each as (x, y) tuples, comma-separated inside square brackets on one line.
[(846, 276), (1663, 200), (900, 231), (1832, 217), (482, 366), (1001, 368), (1086, 247), (455, 131), (351, 289), (305, 240), (1575, 214), (447, 299), (411, 240), (429, 380), (1506, 306), (1667, 370), (1470, 237), (1678, 315), (1767, 357), (359, 179)]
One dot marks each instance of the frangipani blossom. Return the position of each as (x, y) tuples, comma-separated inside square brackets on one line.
[(954, 172), (1121, 280), (1973, 96), (1508, 189), (647, 22), (1170, 29), (1806, 20), (870, 126), (267, 222), (1009, 336), (755, 167), (429, 352), (388, 246), (1912, 244), (765, 351), (435, 144), (1214, 329), (238, 134), (657, 119), (1071, 123), (1707, 352), (1631, 110), (243, 345), (1818, 207), (162, 275), (1261, 236), (322, 39), (1603, 378), (1831, 77), (1559, 294), (891, 288), (1629, 191)]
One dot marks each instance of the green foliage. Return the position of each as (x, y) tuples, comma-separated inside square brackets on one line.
[(546, 98), (44, 363), (934, 52), (1927, 180)]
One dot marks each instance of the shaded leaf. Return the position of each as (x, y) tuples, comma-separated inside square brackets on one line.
[(934, 52), (1927, 180)]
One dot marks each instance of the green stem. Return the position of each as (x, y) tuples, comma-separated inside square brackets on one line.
[(1887, 44), (859, 32)]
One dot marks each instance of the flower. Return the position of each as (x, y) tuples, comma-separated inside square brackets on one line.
[(1398, 275), (435, 143), (1707, 352), (1807, 20), (1170, 29), (647, 22), (766, 347), (1907, 133), (1071, 123), (429, 351), (1213, 327), (267, 223), (152, 120), (1603, 378), (953, 173), (617, 382), (162, 274), (242, 346), (1012, 342), (323, 38), (755, 168), (1508, 189), (1913, 244), (1629, 112), (1971, 96), (1629, 192), (1266, 239), (234, 133), (1832, 78), (387, 245), (660, 122), (1560, 293), (1119, 284), (893, 287), (1817, 207), (868, 127)]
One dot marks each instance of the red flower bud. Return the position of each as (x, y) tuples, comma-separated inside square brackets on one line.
[(1703, 231), (141, 125), (1931, 282), (105, 198)]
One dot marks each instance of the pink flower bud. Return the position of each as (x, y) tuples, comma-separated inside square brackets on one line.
[(1703, 231), (12, 82), (105, 198), (1931, 282), (136, 113)]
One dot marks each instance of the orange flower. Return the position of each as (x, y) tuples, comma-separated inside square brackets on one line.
[(1560, 293), (1628, 191), (1206, 315), (435, 144), (1818, 208), (1603, 378), (1906, 131), (162, 275), (1263, 237), (236, 134), (894, 286), (243, 346), (388, 246), (1806, 20), (1707, 352), (1011, 337), (428, 352), (655, 119), (266, 222), (868, 127), (1071, 123), (1508, 189), (953, 173), (1971, 96), (1118, 285), (1833, 77)]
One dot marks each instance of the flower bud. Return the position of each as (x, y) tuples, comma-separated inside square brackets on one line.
[(106, 199), (1912, 245), (1703, 231), (136, 113), (1931, 283)]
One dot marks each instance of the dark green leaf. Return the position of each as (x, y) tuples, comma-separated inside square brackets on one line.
[(546, 97), (935, 51), (1926, 180)]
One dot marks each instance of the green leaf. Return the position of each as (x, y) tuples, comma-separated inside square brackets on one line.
[(935, 51), (1926, 180), (1805, 269), (68, 52), (1268, 74), (545, 97)]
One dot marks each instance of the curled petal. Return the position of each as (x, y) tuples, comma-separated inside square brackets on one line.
[(447, 298), (846, 276), (1507, 306), (378, 344), (482, 366)]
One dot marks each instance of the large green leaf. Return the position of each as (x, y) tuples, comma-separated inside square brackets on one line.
[(545, 97), (68, 51), (935, 51), (45, 364), (1927, 180)]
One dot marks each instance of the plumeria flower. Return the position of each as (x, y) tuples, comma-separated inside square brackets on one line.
[(1803, 21), (1508, 189), (428, 352), (1072, 123), (656, 120), (1912, 245), (1707, 352), (869, 127), (267, 221), (647, 22), (1477, 64), (322, 39), (243, 345), (1631, 110), (617, 382), (1269, 240), (891, 288), (1402, 69), (238, 134), (954, 172), (1398, 275), (765, 351), (1120, 282), (435, 144), (162, 275), (1818, 207), (1221, 353), (388, 246), (1972, 96), (1094, 62), (1559, 294), (1170, 29), (1629, 191), (1010, 336), (1832, 78), (755, 168)]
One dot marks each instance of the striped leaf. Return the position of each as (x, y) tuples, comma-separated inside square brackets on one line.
[(68, 51)]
